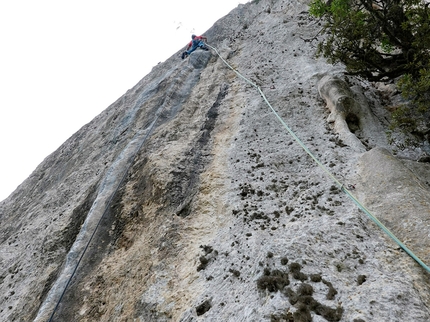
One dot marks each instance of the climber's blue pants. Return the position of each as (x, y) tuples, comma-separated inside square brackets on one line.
[(200, 44)]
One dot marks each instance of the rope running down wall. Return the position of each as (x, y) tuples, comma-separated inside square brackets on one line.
[(341, 186)]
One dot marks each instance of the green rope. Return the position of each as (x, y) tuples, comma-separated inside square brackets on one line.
[(341, 186)]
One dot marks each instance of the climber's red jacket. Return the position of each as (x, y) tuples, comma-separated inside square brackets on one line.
[(195, 38)]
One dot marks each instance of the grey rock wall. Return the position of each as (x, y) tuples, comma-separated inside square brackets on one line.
[(206, 209)]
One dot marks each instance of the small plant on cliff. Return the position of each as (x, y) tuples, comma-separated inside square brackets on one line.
[(382, 39)]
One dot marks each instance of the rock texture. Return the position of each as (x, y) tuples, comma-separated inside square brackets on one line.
[(186, 199)]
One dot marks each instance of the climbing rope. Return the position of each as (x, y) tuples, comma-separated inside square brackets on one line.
[(341, 186)]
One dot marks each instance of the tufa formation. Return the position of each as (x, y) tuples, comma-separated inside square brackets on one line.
[(187, 199)]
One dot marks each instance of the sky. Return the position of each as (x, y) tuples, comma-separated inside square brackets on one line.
[(64, 62)]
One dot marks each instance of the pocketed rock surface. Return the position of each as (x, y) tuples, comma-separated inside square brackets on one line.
[(193, 202)]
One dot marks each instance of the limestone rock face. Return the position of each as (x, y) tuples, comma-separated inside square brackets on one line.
[(188, 200)]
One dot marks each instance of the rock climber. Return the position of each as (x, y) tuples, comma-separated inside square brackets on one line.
[(196, 42)]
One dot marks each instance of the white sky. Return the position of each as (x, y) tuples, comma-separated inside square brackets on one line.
[(63, 62)]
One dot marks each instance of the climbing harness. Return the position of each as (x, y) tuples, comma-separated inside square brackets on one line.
[(341, 186)]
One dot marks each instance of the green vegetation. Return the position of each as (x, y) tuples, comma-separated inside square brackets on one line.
[(380, 40)]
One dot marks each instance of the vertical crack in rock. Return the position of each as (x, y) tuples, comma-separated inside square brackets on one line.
[(69, 235), (105, 193), (102, 244), (183, 187), (182, 86)]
